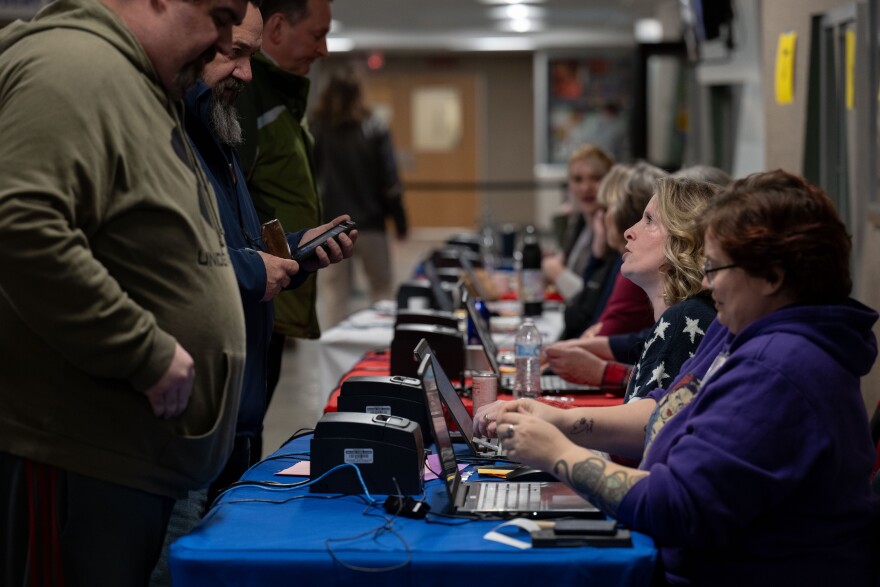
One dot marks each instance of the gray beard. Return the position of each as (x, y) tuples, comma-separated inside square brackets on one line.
[(224, 117)]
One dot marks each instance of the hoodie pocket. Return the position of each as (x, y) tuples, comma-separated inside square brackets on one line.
[(201, 457)]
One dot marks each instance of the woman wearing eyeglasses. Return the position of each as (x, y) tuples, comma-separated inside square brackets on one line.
[(756, 459)]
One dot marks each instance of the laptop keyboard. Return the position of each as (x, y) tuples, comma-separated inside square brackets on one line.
[(554, 382), (550, 384), (509, 496)]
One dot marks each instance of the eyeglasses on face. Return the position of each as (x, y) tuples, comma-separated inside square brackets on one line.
[(709, 271)]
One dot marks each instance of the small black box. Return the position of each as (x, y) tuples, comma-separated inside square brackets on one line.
[(432, 317), (419, 290), (386, 449), (550, 539), (392, 395), (448, 344)]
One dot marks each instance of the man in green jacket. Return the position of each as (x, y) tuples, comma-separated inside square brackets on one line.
[(122, 338), (278, 160)]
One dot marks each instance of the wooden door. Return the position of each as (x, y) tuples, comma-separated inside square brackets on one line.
[(433, 121)]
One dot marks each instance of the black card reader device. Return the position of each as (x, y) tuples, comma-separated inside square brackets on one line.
[(393, 395), (388, 451)]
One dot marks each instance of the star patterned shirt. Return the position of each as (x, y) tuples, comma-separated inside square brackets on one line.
[(673, 340)]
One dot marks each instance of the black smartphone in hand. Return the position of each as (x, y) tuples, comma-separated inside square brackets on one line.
[(307, 250)]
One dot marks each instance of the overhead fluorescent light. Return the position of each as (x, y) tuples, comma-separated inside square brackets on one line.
[(648, 30), (339, 44), (512, 1), (524, 25), (496, 44), (521, 25), (551, 38), (517, 11)]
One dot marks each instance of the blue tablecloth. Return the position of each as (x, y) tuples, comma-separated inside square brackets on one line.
[(242, 542)]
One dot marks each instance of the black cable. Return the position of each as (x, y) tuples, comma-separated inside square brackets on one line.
[(301, 496), (376, 532), (274, 483), (298, 433), (303, 456), (276, 486), (465, 518), (439, 476)]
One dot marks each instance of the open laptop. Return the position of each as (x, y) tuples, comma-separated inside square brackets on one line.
[(442, 298), (497, 499), (477, 282), (550, 384), (449, 396)]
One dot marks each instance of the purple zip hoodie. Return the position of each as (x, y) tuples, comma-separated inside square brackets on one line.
[(759, 473)]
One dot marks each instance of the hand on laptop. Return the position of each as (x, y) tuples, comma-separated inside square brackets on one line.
[(485, 420), (529, 439)]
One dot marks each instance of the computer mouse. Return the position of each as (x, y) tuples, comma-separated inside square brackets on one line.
[(524, 473)]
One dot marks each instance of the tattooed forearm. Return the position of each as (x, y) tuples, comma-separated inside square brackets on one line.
[(582, 426), (602, 482)]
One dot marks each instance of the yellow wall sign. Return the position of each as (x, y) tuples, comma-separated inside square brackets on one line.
[(850, 70), (785, 51)]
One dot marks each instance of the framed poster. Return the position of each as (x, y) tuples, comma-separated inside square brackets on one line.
[(583, 98)]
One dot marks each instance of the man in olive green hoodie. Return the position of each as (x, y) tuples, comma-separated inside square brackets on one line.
[(121, 330)]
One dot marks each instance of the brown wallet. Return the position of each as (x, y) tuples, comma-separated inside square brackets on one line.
[(276, 242)]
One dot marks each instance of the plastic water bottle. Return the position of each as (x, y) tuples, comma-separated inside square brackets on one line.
[(531, 288), (527, 350)]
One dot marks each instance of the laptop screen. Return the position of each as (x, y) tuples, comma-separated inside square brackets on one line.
[(553, 499), (483, 332), (442, 300), (448, 393), (472, 280), (450, 473)]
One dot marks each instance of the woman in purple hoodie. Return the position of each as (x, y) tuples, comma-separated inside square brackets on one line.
[(756, 460)]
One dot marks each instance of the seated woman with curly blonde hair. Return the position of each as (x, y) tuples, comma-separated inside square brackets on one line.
[(663, 256)]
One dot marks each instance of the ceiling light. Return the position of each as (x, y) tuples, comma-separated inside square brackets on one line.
[(339, 44), (521, 25), (512, 1), (496, 44), (516, 11), (648, 30)]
